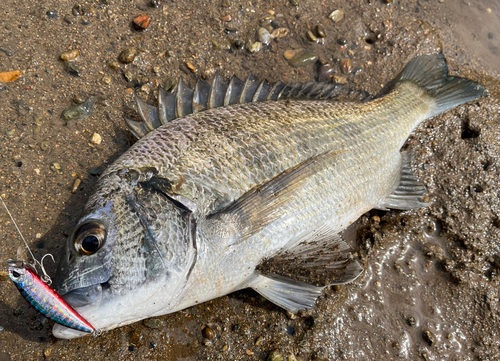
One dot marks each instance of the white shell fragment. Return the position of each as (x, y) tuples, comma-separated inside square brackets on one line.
[(336, 15)]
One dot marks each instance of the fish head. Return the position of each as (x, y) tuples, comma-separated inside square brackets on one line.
[(128, 258)]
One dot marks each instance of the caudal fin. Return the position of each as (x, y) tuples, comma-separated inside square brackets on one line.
[(431, 72)]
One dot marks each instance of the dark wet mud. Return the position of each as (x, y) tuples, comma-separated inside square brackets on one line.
[(430, 290)]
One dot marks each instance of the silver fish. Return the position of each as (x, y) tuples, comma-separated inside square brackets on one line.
[(252, 192)]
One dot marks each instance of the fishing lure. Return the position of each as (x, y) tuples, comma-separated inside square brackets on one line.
[(37, 292), (44, 299)]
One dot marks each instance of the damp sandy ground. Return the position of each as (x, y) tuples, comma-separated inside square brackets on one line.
[(430, 290)]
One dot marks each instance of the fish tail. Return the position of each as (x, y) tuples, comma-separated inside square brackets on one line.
[(431, 72)]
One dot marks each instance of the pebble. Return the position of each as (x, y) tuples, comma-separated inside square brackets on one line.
[(275, 356), (310, 36), (154, 323), (291, 53), (76, 184), (264, 36), (336, 16), (72, 68), (326, 72), (128, 55), (47, 352), (292, 358), (429, 337), (208, 332), (135, 338), (411, 321), (96, 139), (115, 65), (291, 315), (78, 98), (191, 67), (79, 111), (253, 47), (320, 31), (346, 66), (56, 168), (259, 341), (156, 3), (9, 76), (294, 2), (52, 14), (77, 10), (128, 76), (221, 45), (227, 18), (68, 19), (141, 22), (44, 145), (249, 352), (70, 55), (303, 60), (9, 52), (238, 44), (342, 41), (106, 79), (279, 33)]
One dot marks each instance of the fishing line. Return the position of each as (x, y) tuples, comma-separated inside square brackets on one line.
[(45, 277)]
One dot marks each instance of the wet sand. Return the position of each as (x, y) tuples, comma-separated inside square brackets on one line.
[(430, 286)]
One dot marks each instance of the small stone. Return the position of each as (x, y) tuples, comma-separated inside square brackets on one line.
[(227, 18), (154, 323), (429, 337), (68, 19), (56, 168), (77, 10), (264, 36), (326, 72), (141, 22), (208, 332), (320, 31), (388, 1), (9, 76), (411, 321), (249, 352), (303, 60), (339, 79), (145, 89), (294, 2), (376, 219), (342, 41), (156, 3), (76, 184), (128, 76), (70, 55), (291, 53), (253, 47), (115, 65), (47, 352), (128, 55), (346, 66), (79, 111), (44, 145), (292, 358), (96, 139), (238, 44), (336, 16), (275, 356), (225, 348), (72, 68), (311, 37), (52, 14), (135, 338), (106, 79), (191, 67), (279, 33), (291, 315), (259, 341)]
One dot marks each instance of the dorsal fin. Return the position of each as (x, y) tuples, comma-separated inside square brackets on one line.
[(182, 100)]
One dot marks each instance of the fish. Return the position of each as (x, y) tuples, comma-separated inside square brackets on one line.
[(44, 299), (246, 184)]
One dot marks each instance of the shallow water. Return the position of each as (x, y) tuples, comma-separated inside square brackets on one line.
[(442, 279)]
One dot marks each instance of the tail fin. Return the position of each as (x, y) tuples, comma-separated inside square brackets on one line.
[(431, 72)]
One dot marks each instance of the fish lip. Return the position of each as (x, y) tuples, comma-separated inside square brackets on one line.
[(84, 296)]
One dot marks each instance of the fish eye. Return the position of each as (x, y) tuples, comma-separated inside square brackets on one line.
[(89, 238)]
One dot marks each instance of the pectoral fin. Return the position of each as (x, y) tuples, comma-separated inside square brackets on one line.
[(293, 279), (409, 192)]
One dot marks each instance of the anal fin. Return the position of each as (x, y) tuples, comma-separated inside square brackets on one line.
[(409, 191), (287, 293)]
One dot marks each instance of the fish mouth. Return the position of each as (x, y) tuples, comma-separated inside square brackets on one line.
[(84, 296)]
